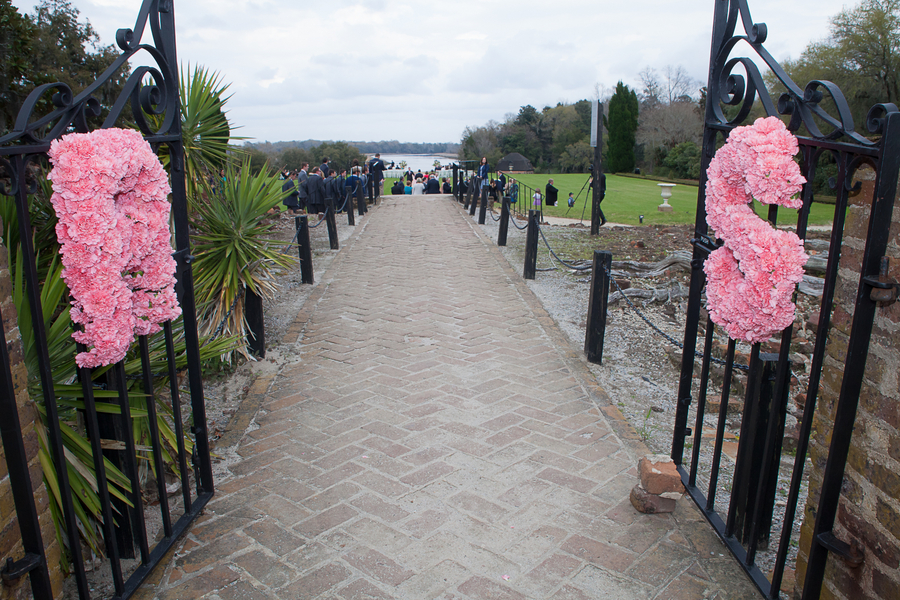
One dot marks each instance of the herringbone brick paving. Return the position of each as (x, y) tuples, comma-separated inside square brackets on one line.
[(434, 441)]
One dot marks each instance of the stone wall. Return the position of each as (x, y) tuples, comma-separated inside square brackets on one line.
[(869, 510), (10, 537)]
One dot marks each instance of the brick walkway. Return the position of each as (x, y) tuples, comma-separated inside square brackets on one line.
[(439, 439)]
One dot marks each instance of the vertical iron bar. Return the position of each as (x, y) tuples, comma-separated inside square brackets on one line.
[(815, 372), (701, 401), (93, 428), (130, 463), (304, 248), (19, 477), (153, 425), (54, 434), (504, 221), (720, 426), (598, 302), (531, 242), (744, 454), (857, 350), (176, 417)]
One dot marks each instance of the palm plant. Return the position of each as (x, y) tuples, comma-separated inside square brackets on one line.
[(205, 130), (233, 250)]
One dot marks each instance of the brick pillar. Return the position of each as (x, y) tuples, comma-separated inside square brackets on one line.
[(869, 510), (10, 538)]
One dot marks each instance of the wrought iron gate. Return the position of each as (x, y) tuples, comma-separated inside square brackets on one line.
[(22, 152), (730, 99)]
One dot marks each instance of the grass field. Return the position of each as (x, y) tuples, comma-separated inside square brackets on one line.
[(627, 198)]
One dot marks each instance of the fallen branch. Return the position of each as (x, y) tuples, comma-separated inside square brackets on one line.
[(676, 292)]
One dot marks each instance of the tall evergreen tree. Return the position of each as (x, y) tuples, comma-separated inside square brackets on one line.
[(622, 122)]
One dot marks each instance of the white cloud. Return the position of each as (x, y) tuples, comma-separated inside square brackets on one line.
[(395, 69)]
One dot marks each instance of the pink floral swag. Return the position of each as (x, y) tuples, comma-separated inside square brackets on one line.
[(751, 279), (110, 196)]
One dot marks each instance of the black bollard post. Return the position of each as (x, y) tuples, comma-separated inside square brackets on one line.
[(504, 221), (256, 327), (466, 198), (361, 200), (597, 307), (305, 249), (475, 194), (484, 202), (531, 243), (331, 224), (351, 220), (455, 189)]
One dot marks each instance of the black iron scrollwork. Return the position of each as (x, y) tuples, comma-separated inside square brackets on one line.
[(802, 105), (71, 112)]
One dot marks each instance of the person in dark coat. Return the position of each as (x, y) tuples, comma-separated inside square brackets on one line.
[(484, 170), (315, 189), (501, 183), (445, 187), (550, 194), (602, 195), (376, 167), (397, 188), (292, 200), (432, 186), (324, 168), (302, 176)]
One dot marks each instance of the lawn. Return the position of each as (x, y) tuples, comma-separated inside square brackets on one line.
[(627, 198)]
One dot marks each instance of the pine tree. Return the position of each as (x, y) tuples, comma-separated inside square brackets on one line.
[(622, 122)]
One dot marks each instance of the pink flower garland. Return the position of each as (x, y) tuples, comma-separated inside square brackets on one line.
[(751, 279), (110, 196)]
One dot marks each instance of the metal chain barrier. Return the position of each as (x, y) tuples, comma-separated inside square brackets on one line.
[(665, 335), (321, 220), (228, 315), (561, 261)]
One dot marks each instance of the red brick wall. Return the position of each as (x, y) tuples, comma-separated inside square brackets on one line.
[(870, 502), (10, 537)]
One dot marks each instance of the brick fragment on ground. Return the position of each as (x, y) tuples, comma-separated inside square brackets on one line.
[(648, 503), (659, 475)]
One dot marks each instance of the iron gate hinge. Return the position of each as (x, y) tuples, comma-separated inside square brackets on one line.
[(852, 553), (13, 570), (885, 288)]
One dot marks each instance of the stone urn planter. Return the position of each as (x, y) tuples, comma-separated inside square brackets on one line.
[(666, 193)]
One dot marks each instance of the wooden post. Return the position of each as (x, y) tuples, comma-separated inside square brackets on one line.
[(597, 307), (595, 174), (351, 220), (331, 224), (360, 199), (304, 248), (484, 202), (504, 221), (531, 243), (455, 190), (256, 326), (475, 193)]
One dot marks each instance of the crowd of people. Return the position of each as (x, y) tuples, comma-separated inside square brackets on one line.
[(421, 183), (310, 190)]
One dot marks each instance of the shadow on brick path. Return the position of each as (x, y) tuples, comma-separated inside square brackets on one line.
[(438, 438)]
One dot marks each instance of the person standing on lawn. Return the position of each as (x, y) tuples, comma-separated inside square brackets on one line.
[(602, 188), (551, 193)]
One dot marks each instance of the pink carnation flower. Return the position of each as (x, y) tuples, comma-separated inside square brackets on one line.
[(751, 279), (110, 194)]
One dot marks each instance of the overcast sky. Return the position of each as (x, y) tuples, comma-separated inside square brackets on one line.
[(422, 71)]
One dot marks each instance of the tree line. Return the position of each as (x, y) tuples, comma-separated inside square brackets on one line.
[(657, 126)]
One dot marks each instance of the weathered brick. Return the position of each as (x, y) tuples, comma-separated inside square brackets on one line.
[(877, 544), (886, 586), (645, 502), (659, 475)]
